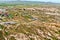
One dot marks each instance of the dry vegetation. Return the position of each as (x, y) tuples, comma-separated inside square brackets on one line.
[(41, 23)]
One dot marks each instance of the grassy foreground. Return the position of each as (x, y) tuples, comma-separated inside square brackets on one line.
[(32, 23)]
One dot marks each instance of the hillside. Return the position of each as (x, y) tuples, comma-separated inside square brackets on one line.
[(22, 22)]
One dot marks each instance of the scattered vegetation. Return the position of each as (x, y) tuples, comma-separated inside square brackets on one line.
[(33, 23)]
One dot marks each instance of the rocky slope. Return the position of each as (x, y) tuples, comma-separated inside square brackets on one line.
[(30, 24)]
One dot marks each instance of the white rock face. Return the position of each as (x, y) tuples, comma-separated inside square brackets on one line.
[(2, 10), (52, 13), (10, 22)]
